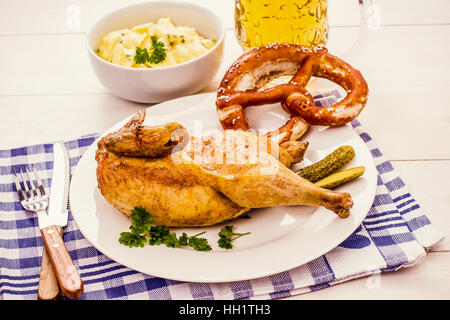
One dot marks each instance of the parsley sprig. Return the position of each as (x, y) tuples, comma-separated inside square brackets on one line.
[(131, 239), (199, 244), (158, 53), (143, 230), (141, 220), (226, 237), (158, 235), (141, 55)]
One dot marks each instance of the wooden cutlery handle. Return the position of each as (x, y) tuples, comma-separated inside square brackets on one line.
[(48, 288), (66, 273)]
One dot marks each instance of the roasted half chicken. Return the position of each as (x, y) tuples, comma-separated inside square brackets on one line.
[(199, 181)]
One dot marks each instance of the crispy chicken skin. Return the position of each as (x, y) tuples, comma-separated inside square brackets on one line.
[(199, 181)]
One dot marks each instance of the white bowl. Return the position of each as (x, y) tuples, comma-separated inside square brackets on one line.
[(165, 83)]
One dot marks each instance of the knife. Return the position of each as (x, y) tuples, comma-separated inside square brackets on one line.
[(67, 275), (48, 288)]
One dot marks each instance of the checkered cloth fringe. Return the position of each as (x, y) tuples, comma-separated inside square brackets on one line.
[(395, 234)]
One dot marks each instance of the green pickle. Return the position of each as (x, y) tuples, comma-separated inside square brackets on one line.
[(328, 165), (339, 178)]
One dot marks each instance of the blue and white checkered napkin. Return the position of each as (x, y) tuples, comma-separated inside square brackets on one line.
[(395, 234)]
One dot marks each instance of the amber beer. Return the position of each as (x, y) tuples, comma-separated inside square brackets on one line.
[(260, 22)]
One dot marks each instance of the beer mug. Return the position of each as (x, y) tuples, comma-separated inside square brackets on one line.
[(305, 22)]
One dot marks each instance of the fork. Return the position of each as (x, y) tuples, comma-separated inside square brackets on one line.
[(33, 198), (48, 284), (30, 198)]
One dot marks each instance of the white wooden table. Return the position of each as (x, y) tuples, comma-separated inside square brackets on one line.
[(48, 92)]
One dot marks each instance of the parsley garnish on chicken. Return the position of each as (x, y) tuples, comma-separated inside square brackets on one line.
[(142, 228), (199, 244), (141, 220), (226, 237), (158, 234), (132, 240)]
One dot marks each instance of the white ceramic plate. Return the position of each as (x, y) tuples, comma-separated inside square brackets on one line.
[(281, 237)]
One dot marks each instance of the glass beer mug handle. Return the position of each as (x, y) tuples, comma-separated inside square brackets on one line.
[(366, 13)]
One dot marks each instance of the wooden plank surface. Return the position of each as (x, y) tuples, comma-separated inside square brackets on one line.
[(60, 67), (76, 16), (393, 137), (428, 279), (60, 64)]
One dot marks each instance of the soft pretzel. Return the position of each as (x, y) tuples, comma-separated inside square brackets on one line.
[(240, 86)]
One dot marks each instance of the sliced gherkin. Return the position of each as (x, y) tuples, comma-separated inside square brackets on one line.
[(328, 165), (339, 178)]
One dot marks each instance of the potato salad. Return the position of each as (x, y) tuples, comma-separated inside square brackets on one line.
[(153, 45)]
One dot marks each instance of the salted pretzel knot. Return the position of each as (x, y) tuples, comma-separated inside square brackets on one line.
[(239, 86)]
